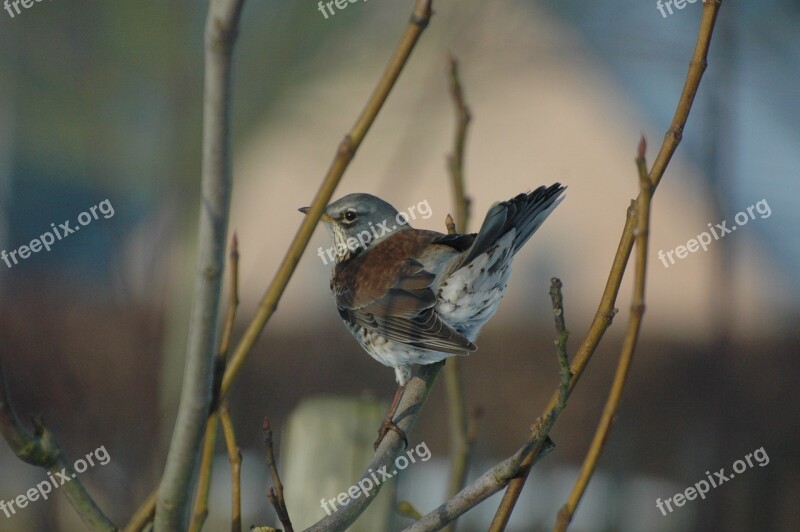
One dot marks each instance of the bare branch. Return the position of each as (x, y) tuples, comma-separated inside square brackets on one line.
[(42, 450), (200, 512), (414, 397), (460, 440), (175, 487), (484, 487), (420, 17), (561, 341), (606, 310), (275, 493), (628, 347), (210, 438), (235, 459), (541, 428), (455, 160)]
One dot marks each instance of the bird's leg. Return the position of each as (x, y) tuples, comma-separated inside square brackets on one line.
[(388, 424)]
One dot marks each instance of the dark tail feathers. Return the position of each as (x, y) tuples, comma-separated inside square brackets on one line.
[(525, 212)]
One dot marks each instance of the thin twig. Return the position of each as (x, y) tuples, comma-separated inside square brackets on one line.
[(176, 482), (482, 488), (275, 492), (42, 450), (697, 66), (601, 322), (606, 310), (420, 17), (233, 305), (541, 428), (235, 459), (628, 348), (200, 512), (460, 442), (455, 160), (143, 515), (561, 342)]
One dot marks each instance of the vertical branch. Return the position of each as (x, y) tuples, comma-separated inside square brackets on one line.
[(541, 428), (173, 492), (461, 438), (420, 16), (628, 347), (561, 342), (210, 438), (455, 160), (606, 310)]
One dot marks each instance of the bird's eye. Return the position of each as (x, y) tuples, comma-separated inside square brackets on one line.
[(350, 216)]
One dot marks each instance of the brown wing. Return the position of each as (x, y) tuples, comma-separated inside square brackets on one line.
[(389, 294)]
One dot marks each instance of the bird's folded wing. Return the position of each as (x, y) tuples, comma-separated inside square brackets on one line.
[(401, 309)]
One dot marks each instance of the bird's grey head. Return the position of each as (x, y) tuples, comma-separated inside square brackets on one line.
[(358, 221)]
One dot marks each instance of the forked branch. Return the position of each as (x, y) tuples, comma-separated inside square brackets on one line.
[(628, 347), (176, 482)]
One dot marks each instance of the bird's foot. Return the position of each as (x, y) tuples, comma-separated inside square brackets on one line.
[(384, 430), (388, 420)]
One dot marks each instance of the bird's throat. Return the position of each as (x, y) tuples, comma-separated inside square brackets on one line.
[(345, 247)]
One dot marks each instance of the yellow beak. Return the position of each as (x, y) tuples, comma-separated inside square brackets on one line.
[(325, 218)]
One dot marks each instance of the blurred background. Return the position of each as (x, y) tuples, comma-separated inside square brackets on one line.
[(102, 101)]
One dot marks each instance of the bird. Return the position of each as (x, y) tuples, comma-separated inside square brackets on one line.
[(415, 296)]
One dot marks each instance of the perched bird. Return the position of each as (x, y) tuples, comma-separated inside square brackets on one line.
[(412, 296)]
